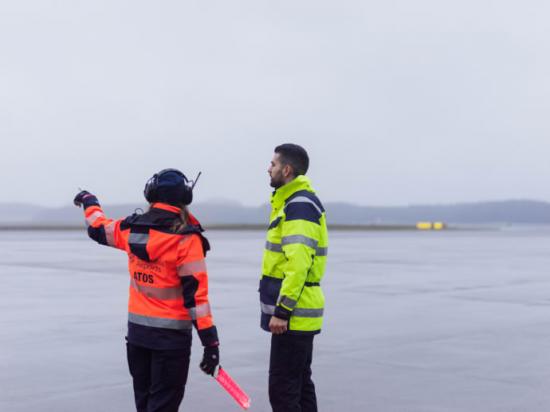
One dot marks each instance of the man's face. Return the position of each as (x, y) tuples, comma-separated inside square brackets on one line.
[(276, 172)]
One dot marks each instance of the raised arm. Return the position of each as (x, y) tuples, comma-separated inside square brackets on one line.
[(101, 229)]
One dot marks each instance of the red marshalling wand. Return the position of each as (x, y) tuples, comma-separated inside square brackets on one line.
[(232, 388)]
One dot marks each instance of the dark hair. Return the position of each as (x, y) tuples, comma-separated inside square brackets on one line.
[(295, 156)]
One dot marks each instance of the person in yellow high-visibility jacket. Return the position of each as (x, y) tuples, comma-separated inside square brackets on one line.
[(291, 298)]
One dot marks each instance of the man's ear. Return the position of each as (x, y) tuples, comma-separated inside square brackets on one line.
[(287, 171)]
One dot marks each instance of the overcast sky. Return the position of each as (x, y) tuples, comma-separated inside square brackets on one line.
[(397, 102)]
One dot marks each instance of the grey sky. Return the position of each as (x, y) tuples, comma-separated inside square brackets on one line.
[(397, 102)]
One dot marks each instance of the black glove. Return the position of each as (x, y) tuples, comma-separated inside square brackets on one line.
[(210, 359), (85, 198)]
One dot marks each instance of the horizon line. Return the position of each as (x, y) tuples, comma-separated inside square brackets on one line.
[(237, 203)]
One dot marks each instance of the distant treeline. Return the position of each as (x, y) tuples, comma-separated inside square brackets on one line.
[(230, 214)]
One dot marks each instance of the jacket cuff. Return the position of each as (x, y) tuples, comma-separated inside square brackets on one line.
[(209, 336), (282, 313)]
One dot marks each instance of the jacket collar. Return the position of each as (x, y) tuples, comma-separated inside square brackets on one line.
[(284, 192), (191, 219), (167, 207)]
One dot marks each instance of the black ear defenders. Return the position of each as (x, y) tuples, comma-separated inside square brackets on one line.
[(170, 186)]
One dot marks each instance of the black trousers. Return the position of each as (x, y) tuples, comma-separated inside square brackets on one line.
[(159, 377), (290, 386)]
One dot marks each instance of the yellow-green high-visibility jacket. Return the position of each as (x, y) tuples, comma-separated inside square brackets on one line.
[(294, 259)]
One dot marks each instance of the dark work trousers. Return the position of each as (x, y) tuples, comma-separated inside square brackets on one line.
[(290, 386), (159, 377)]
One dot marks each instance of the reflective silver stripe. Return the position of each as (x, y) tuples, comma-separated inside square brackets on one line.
[(200, 311), (267, 309), (160, 322), (322, 251), (299, 312), (138, 238), (190, 268), (90, 220), (158, 293), (307, 313), (304, 240), (303, 199), (274, 247), (110, 233), (288, 302), (301, 239)]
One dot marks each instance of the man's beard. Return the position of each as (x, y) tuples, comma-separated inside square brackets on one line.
[(276, 183)]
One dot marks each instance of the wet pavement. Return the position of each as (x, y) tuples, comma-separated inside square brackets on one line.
[(415, 322)]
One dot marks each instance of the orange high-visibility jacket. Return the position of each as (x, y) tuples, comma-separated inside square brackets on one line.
[(168, 277)]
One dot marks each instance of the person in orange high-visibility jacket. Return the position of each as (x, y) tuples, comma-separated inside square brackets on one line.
[(168, 292)]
